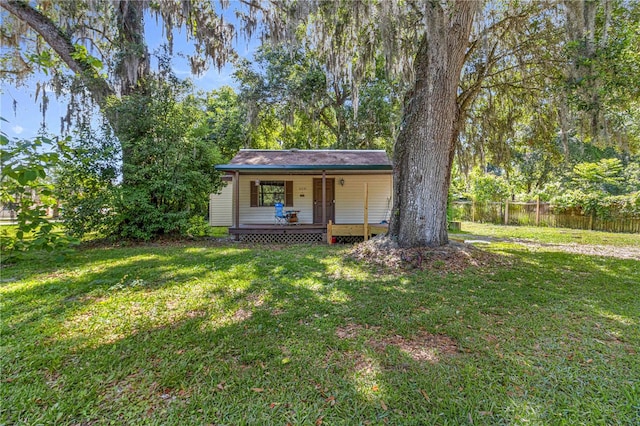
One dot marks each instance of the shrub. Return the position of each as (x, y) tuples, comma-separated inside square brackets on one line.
[(86, 184), (488, 187), (197, 226)]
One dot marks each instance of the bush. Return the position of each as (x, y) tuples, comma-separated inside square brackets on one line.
[(197, 226), (599, 204), (167, 168), (86, 184), (488, 187), (597, 189), (168, 162)]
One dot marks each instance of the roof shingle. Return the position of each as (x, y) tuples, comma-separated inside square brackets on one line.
[(309, 159)]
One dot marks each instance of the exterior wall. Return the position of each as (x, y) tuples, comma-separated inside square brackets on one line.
[(302, 199), (349, 198), (221, 207)]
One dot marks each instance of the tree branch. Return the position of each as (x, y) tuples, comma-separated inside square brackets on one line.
[(99, 32), (327, 122), (61, 43)]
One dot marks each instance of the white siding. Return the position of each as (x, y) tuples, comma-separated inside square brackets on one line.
[(349, 198), (220, 207), (302, 199)]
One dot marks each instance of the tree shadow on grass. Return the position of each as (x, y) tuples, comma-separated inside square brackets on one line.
[(44, 264), (56, 293), (148, 363), (262, 348)]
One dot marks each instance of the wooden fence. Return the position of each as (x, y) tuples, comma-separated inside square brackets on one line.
[(540, 214)]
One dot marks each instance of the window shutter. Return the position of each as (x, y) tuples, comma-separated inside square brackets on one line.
[(288, 193), (254, 194)]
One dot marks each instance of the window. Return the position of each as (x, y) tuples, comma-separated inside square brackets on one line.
[(269, 192)]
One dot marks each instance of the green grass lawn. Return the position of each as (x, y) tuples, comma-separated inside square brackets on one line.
[(225, 333), (551, 235)]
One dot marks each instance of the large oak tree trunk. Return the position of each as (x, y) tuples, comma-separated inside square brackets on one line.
[(425, 146)]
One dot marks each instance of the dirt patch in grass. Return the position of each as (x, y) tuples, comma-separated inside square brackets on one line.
[(351, 330), (53, 379), (454, 257), (359, 362), (255, 300), (196, 314), (421, 347), (242, 315)]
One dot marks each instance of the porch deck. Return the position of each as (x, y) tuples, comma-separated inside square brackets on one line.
[(304, 232), (264, 228)]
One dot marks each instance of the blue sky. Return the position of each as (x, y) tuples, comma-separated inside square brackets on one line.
[(26, 120)]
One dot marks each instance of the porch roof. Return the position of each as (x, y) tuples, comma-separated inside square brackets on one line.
[(255, 160)]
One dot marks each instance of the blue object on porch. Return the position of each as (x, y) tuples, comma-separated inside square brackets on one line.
[(280, 217)]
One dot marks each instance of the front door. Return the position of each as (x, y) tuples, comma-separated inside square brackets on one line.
[(330, 200)]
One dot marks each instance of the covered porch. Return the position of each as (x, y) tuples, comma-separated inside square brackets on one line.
[(310, 194), (298, 232), (325, 190)]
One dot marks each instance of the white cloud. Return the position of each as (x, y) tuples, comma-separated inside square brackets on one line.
[(17, 129)]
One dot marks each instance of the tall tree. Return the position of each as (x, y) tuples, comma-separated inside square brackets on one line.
[(565, 79), (290, 86), (425, 147), (97, 51), (226, 122), (510, 73), (426, 43), (293, 84), (170, 173)]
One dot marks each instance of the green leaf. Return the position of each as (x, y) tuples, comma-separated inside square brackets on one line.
[(30, 175), (21, 178)]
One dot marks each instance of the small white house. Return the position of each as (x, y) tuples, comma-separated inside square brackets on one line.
[(316, 187)]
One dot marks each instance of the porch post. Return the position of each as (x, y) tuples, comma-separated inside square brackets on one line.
[(236, 201), (366, 211), (324, 197)]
